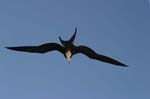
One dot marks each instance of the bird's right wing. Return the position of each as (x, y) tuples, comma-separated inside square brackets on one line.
[(39, 49), (93, 55)]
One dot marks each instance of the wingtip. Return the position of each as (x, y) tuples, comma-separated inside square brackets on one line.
[(7, 47), (123, 65), (10, 48)]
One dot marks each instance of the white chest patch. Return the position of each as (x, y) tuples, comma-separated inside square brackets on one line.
[(68, 55)]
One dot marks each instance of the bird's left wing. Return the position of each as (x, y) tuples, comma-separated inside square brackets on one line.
[(93, 55), (39, 49)]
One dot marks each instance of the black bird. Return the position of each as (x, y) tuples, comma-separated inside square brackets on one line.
[(68, 49)]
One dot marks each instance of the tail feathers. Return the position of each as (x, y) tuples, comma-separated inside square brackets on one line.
[(73, 36)]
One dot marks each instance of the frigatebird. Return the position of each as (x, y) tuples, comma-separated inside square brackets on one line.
[(68, 49)]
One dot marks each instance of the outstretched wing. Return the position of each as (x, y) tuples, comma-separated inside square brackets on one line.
[(39, 49), (93, 55)]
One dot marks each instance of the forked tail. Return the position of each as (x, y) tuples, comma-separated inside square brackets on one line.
[(73, 36)]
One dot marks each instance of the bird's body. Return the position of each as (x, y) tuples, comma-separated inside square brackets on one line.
[(68, 49)]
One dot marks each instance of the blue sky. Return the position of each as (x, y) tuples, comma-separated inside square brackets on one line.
[(116, 28)]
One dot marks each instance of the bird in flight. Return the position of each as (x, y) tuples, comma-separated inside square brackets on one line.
[(68, 49)]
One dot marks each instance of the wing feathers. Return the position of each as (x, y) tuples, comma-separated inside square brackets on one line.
[(39, 49), (93, 55)]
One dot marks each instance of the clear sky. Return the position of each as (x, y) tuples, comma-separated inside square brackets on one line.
[(116, 28)]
